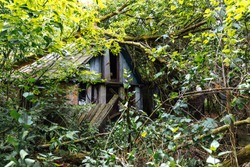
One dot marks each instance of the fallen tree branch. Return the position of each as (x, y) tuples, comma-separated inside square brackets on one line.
[(208, 91), (143, 47), (226, 127), (74, 141)]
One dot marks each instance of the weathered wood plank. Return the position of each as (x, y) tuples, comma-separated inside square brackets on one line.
[(92, 113), (102, 94), (99, 113), (81, 118), (103, 115), (106, 65), (104, 112)]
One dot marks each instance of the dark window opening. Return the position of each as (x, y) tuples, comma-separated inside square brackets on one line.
[(111, 91), (82, 94), (114, 67)]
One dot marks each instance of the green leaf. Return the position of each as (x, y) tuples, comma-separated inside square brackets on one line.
[(188, 76), (208, 150), (175, 129), (177, 136), (239, 102), (224, 153), (13, 141), (138, 124), (164, 165), (23, 154), (173, 7), (212, 160), (10, 164), (47, 39), (214, 145), (29, 161), (158, 155), (144, 134), (14, 114), (37, 164), (25, 133), (71, 134), (227, 60), (173, 95), (171, 146), (57, 24), (27, 94), (209, 123), (24, 119), (31, 80), (227, 119), (158, 75)]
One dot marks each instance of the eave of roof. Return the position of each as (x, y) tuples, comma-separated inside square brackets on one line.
[(51, 64)]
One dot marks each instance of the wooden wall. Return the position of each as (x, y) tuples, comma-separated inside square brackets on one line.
[(103, 64)]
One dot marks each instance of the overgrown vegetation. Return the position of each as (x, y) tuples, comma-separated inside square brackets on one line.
[(194, 53)]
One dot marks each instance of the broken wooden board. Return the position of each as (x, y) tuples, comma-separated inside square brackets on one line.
[(96, 115), (87, 115)]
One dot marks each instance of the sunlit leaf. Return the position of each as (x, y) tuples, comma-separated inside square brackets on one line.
[(175, 129), (71, 134), (214, 145), (173, 7), (212, 160), (29, 161), (23, 154), (144, 134), (10, 164), (224, 153), (208, 150)]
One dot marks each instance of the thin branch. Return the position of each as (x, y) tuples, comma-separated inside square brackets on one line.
[(191, 27), (195, 31), (74, 141), (118, 11), (145, 48), (208, 91), (131, 38), (226, 127)]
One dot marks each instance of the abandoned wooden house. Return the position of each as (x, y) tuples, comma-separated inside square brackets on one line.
[(104, 94)]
